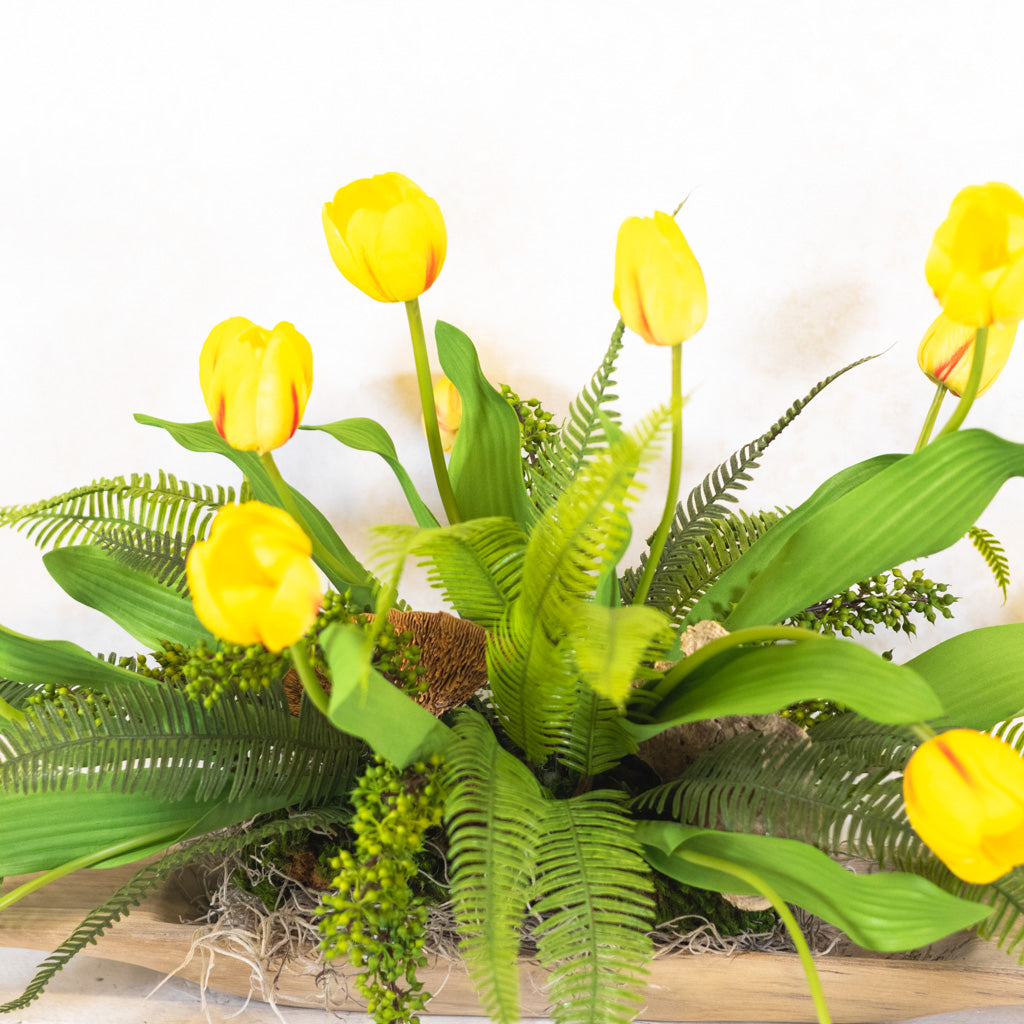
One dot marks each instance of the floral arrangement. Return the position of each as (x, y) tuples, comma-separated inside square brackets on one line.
[(265, 696)]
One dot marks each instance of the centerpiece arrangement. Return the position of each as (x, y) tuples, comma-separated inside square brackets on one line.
[(506, 737)]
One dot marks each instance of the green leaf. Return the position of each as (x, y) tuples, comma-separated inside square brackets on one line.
[(887, 911), (369, 436), (610, 644), (364, 704), (914, 507), (346, 572), (760, 680), (485, 469), (149, 611), (976, 675), (28, 660)]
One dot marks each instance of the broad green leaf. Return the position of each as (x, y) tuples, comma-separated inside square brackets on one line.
[(364, 704), (369, 436), (43, 830), (760, 680), (486, 466), (149, 611), (914, 507), (341, 567), (886, 911), (978, 676), (729, 587), (610, 644), (28, 660)]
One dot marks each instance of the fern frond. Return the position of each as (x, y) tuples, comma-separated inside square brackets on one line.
[(248, 746), (594, 896), (147, 878), (80, 515), (583, 434), (491, 815), (597, 739), (1005, 925), (705, 502), (531, 667), (477, 564), (695, 555), (160, 555), (994, 554), (817, 792)]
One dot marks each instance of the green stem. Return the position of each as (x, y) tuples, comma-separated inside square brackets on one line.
[(973, 383), (923, 732), (330, 564), (757, 883), (163, 836), (310, 684), (426, 389), (752, 635), (929, 420), (675, 473)]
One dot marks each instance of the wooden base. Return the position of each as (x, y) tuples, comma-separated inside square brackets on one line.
[(743, 987)]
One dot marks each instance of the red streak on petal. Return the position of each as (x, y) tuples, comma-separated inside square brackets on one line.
[(647, 334), (431, 274), (296, 414), (943, 370), (218, 420), (954, 761)]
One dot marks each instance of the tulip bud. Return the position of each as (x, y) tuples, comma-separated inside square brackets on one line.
[(448, 406), (253, 579), (256, 382), (387, 236), (946, 349), (976, 262), (964, 793), (659, 287)]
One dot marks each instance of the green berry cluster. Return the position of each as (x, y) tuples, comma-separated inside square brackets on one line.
[(78, 700), (373, 917), (888, 600), (535, 423)]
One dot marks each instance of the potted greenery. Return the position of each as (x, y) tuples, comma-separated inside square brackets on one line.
[(533, 782)]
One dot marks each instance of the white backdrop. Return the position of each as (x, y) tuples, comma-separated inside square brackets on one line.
[(164, 168)]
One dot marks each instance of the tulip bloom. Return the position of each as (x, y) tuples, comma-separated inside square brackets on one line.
[(976, 262), (964, 793), (946, 349), (387, 236), (253, 580), (256, 382), (659, 287), (448, 406)]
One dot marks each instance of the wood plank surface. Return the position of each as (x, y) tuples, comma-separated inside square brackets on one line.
[(743, 987)]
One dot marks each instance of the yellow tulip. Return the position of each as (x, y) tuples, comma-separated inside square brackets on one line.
[(256, 382), (976, 262), (945, 353), (448, 405), (659, 287), (964, 793), (253, 580), (387, 236)]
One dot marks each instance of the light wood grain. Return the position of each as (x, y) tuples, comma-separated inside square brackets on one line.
[(744, 987)]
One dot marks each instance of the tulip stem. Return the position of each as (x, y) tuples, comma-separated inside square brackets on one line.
[(310, 683), (675, 473), (929, 420), (330, 564), (757, 883), (973, 382), (426, 389)]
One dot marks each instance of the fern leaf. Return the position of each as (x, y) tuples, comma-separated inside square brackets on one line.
[(597, 739), (705, 502), (203, 751), (160, 555), (84, 513), (531, 668), (695, 557), (135, 890), (491, 814), (595, 901), (582, 436), (994, 554)]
